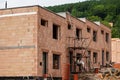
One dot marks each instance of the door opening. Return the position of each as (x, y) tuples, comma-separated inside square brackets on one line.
[(45, 62), (102, 57), (71, 61)]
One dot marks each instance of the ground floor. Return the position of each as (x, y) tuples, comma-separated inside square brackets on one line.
[(29, 78), (56, 64)]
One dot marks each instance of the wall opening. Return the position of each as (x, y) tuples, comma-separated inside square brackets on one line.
[(44, 22), (107, 56), (55, 31), (45, 62), (71, 61), (95, 56), (78, 33), (88, 29), (103, 57), (69, 26), (102, 32), (89, 60), (107, 37), (95, 36), (56, 61)]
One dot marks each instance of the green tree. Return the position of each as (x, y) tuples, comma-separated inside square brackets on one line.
[(115, 33), (99, 10), (117, 23), (94, 18), (74, 12), (109, 18)]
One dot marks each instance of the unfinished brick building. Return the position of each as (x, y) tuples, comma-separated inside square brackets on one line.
[(35, 41), (115, 50)]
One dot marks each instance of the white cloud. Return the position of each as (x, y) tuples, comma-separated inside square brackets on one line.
[(2, 4), (56, 2), (18, 3)]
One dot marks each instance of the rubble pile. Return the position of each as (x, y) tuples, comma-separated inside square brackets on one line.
[(104, 74)]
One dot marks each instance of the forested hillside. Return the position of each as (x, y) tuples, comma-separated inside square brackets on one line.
[(95, 10)]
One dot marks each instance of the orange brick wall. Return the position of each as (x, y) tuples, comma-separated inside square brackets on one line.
[(116, 65), (17, 62), (48, 44), (18, 49), (115, 50)]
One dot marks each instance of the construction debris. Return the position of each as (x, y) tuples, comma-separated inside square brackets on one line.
[(104, 74), (110, 74)]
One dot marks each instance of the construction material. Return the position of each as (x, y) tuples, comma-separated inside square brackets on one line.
[(75, 76), (116, 65), (110, 74)]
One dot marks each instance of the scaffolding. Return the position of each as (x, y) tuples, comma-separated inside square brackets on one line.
[(78, 46)]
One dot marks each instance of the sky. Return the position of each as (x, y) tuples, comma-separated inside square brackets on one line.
[(44, 3)]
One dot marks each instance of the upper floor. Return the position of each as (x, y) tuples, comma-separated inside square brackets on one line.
[(50, 29)]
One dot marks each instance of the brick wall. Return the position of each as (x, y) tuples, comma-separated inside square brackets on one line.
[(18, 42), (115, 50)]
